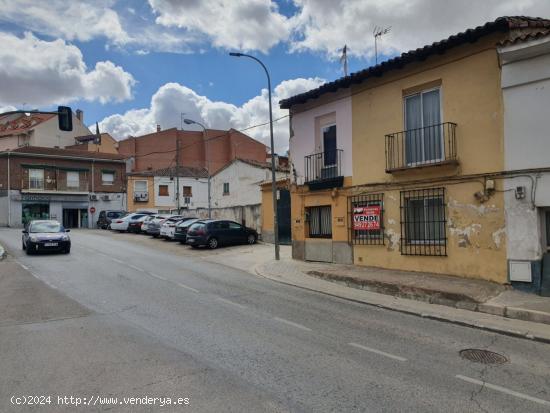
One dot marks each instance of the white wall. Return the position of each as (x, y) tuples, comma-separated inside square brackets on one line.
[(244, 180), (526, 96), (199, 189), (303, 141)]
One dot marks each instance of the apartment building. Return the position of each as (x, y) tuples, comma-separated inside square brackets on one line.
[(71, 186), (402, 165)]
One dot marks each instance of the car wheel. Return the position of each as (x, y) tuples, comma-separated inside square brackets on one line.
[(212, 243), (251, 239), (23, 246), (29, 251), (109, 226)]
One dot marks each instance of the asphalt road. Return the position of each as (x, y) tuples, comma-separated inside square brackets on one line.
[(232, 341)]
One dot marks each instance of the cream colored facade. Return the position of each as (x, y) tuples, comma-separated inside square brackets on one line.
[(437, 186)]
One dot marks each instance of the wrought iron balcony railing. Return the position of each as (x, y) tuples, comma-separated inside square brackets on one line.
[(324, 169), (431, 145), (52, 185)]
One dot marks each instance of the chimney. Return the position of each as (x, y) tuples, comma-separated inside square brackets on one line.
[(80, 115), (158, 127)]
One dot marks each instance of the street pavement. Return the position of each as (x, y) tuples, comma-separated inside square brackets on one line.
[(152, 318)]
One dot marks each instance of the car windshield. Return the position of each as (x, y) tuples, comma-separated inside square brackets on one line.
[(187, 223), (45, 227)]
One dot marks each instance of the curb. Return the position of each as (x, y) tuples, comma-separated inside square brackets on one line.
[(507, 332), (447, 299)]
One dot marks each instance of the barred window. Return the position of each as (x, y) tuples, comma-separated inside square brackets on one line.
[(320, 222), (423, 220), (366, 218)]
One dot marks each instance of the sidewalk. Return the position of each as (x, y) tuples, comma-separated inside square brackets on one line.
[(475, 303)]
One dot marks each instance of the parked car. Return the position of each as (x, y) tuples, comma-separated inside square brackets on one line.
[(105, 217), (135, 225), (45, 235), (168, 228), (180, 231), (121, 224), (153, 226), (214, 233)]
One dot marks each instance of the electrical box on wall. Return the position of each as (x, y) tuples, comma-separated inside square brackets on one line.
[(520, 271)]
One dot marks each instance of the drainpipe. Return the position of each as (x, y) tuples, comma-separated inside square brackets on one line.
[(93, 192), (9, 188)]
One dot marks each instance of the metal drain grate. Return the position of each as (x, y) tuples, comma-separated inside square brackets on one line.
[(483, 356)]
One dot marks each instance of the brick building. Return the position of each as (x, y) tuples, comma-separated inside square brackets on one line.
[(71, 186), (215, 148)]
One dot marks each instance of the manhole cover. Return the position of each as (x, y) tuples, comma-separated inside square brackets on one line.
[(483, 356)]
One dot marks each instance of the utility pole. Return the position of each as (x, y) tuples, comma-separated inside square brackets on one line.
[(207, 156), (178, 174)]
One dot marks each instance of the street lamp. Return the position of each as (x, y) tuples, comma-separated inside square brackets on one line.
[(273, 179), (193, 122)]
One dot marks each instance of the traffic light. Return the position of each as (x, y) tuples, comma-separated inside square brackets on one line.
[(65, 118)]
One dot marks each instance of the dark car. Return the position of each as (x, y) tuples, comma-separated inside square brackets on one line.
[(45, 235), (180, 234), (213, 233), (105, 218), (134, 225)]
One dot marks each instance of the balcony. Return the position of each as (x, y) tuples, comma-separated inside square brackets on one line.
[(423, 147), (324, 170), (54, 186)]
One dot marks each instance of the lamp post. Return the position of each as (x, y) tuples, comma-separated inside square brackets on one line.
[(193, 122), (273, 178)]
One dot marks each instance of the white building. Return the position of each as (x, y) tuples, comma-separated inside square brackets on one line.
[(237, 183), (41, 130), (526, 93)]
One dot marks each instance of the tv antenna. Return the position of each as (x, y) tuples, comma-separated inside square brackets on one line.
[(377, 33)]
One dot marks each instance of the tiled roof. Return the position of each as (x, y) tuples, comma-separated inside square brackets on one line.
[(524, 37), (182, 171), (22, 123), (502, 24), (76, 153)]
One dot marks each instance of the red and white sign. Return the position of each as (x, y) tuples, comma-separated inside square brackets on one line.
[(92, 210), (366, 218)]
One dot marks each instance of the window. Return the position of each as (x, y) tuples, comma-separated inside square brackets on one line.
[(226, 188), (107, 177), (187, 191), (367, 219), (163, 190), (423, 222), (329, 145), (73, 179), (140, 186), (36, 178), (424, 137), (234, 225), (320, 222)]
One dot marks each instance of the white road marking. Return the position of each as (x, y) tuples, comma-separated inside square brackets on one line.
[(24, 266), (503, 390), (382, 353), (187, 287), (292, 323), (136, 268), (117, 260), (231, 302), (160, 277)]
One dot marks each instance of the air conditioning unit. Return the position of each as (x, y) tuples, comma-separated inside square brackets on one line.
[(141, 196), (106, 197), (93, 197)]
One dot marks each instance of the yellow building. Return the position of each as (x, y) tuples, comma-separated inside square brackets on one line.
[(401, 165)]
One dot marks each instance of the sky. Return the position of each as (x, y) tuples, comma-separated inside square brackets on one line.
[(131, 65)]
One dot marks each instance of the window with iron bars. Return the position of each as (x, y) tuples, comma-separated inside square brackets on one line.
[(366, 219), (423, 230), (320, 222)]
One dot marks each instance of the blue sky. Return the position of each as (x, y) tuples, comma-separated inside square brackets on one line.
[(131, 64)]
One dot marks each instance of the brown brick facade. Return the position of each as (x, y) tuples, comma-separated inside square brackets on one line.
[(158, 150)]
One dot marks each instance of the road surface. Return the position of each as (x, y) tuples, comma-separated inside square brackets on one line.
[(158, 319)]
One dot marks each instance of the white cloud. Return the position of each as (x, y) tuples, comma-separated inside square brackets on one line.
[(39, 72), (326, 25), (230, 24), (172, 99)]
